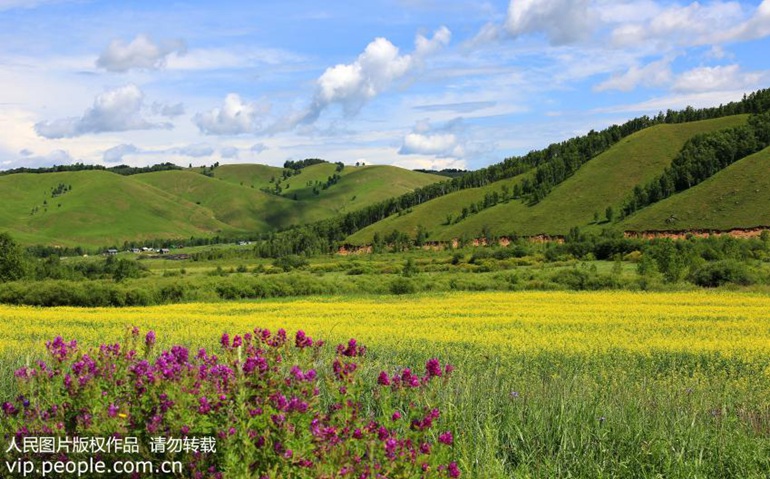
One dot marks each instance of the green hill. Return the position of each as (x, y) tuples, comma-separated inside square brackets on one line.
[(604, 181), (248, 175), (241, 208), (100, 208), (366, 184), (103, 208), (736, 197)]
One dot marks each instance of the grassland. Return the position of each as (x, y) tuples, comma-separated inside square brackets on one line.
[(611, 384), (606, 180), (736, 197), (104, 208), (101, 208)]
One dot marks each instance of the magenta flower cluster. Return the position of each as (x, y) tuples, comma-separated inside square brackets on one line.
[(272, 406)]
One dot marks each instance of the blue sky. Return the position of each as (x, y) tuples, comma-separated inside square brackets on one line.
[(413, 83)]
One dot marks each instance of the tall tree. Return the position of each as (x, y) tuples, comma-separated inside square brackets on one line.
[(13, 263)]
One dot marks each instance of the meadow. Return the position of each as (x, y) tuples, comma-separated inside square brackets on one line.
[(547, 384)]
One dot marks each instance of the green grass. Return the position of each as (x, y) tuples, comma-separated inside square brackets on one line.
[(432, 216), (604, 181), (242, 208), (102, 208), (105, 208), (738, 196), (248, 175)]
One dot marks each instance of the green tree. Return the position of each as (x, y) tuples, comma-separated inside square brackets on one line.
[(13, 261), (409, 268), (609, 213), (125, 268)]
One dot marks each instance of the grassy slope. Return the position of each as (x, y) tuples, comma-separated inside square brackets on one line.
[(106, 208), (368, 184), (604, 181), (248, 175), (240, 207), (432, 215), (358, 188), (607, 180), (364, 185), (738, 196), (102, 208)]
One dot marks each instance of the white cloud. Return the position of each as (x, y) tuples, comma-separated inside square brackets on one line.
[(653, 74), (628, 11), (169, 111), (374, 71), (562, 21), (258, 148), (758, 26), (198, 150), (689, 25), (438, 144), (229, 152), (443, 142), (28, 4), (706, 79), (230, 58), (234, 117), (676, 101), (141, 53), (114, 110), (116, 153), (54, 157)]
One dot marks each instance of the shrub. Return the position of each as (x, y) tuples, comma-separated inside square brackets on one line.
[(402, 286), (290, 262), (270, 406), (722, 272), (576, 279)]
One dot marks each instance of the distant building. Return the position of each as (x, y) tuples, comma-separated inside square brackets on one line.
[(112, 251)]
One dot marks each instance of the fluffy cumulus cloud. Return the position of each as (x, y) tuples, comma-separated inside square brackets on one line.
[(562, 21), (234, 117), (374, 71), (437, 144), (116, 153), (717, 78), (120, 109), (443, 142), (141, 53)]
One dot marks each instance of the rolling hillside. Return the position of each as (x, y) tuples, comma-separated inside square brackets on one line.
[(366, 184), (604, 181), (736, 197), (104, 208), (101, 208)]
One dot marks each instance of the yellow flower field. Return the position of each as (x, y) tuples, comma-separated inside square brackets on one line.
[(734, 324)]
